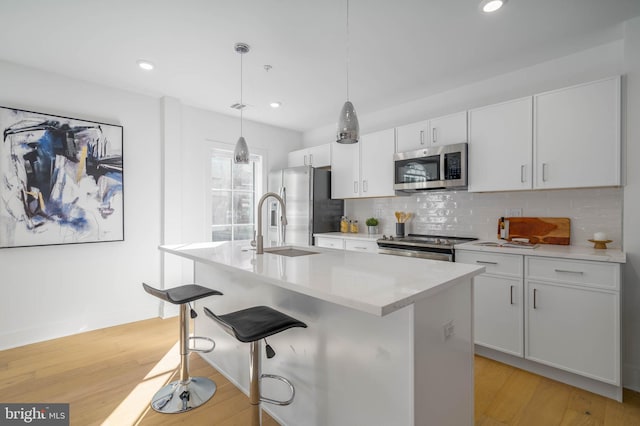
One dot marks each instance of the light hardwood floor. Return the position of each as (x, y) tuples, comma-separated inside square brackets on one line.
[(108, 376)]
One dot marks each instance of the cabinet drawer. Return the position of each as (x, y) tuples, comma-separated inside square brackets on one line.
[(583, 272), (326, 242), (494, 263), (359, 245)]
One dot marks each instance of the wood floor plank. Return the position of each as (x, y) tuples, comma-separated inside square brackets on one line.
[(108, 376)]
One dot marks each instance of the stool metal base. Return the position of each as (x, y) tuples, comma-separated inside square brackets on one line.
[(177, 397)]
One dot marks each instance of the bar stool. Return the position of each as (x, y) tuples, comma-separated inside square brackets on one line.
[(188, 392), (250, 326)]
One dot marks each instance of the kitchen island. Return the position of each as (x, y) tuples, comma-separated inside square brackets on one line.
[(389, 338)]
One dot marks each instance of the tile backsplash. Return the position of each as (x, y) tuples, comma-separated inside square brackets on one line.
[(461, 213)]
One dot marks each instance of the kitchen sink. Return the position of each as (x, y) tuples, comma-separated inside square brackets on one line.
[(289, 251)]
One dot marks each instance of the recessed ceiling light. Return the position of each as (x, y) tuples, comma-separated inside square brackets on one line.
[(488, 6), (275, 104), (145, 65)]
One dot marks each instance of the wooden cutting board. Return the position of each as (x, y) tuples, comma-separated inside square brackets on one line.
[(540, 230)]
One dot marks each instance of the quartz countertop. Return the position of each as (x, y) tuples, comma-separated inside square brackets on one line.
[(371, 283), (550, 250)]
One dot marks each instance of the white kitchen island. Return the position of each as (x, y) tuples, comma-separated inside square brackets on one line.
[(389, 338)]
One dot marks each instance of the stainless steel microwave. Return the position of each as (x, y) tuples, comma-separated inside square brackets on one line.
[(442, 167)]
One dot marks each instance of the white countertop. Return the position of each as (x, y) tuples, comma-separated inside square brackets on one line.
[(360, 236), (371, 283), (551, 250)]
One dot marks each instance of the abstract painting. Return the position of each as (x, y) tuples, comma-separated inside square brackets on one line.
[(60, 180)]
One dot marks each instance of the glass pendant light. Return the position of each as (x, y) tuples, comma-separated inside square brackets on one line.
[(241, 151), (348, 127)]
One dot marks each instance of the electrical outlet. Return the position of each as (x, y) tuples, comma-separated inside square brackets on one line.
[(513, 212), (448, 330)]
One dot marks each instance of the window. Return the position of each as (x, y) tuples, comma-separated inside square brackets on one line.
[(233, 195)]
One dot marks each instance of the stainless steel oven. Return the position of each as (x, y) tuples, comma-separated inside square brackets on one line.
[(443, 167), (436, 247)]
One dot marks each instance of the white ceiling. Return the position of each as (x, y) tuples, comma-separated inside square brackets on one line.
[(399, 50)]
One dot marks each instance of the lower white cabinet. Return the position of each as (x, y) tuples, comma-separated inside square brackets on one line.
[(573, 323), (346, 243), (562, 313), (498, 301)]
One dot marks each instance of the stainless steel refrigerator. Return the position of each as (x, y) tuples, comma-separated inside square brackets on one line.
[(310, 209)]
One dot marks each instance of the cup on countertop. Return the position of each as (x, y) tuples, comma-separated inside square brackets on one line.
[(399, 229)]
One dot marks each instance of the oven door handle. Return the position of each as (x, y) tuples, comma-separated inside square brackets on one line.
[(419, 254)]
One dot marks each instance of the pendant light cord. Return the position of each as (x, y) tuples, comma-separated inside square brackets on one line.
[(348, 50), (241, 104)]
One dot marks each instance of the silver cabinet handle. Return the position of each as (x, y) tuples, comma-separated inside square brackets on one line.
[(535, 292), (421, 137), (305, 159), (365, 186), (522, 171), (434, 135), (544, 171), (360, 248), (311, 159), (511, 294), (566, 271), (486, 263), (355, 186)]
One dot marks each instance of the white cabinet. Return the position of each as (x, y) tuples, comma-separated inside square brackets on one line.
[(577, 136), (558, 312), (500, 138), (364, 169), (567, 138), (412, 136), (361, 245), (572, 317), (449, 129), (446, 130), (498, 301), (330, 242), (316, 156), (347, 243)]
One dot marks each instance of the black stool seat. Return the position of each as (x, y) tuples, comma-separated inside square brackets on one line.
[(182, 294), (255, 323)]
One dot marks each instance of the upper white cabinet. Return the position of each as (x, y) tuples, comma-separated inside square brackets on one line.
[(364, 169), (412, 136), (449, 129), (577, 136), (316, 156), (446, 130), (567, 138), (500, 138)]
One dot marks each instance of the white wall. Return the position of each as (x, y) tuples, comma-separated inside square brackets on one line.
[(52, 291), (631, 287)]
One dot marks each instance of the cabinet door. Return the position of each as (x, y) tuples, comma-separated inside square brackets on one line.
[(577, 136), (574, 329), (376, 164), (412, 136), (320, 156), (500, 138), (330, 242), (360, 245), (297, 158), (448, 130), (498, 313), (345, 170)]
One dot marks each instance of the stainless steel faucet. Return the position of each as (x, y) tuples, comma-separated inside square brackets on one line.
[(260, 239)]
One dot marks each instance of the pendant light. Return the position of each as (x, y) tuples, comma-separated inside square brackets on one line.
[(348, 127), (241, 151)]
